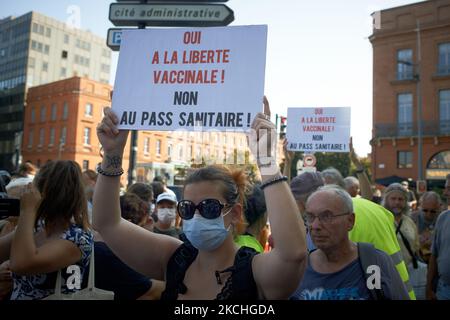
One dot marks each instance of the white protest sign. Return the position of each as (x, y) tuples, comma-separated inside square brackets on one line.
[(186, 78), (318, 129)]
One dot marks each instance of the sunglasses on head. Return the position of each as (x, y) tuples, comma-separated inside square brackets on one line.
[(208, 208)]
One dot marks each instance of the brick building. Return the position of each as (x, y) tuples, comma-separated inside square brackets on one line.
[(399, 78)]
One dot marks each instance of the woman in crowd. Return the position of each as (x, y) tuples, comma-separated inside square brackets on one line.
[(52, 233), (209, 265)]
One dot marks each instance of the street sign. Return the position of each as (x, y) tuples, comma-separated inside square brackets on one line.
[(114, 38), (170, 14), (309, 160)]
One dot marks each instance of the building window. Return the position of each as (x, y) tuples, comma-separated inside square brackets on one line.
[(63, 72), (405, 118), (105, 68), (404, 64), (65, 111), (33, 115), (48, 32), (31, 62), (41, 30), (180, 152), (41, 137), (191, 152), (66, 39), (198, 152), (53, 116), (88, 110), (46, 49), (444, 111), (52, 136), (30, 138), (35, 28), (85, 165), (87, 136), (169, 151), (158, 147), (64, 54), (43, 111), (404, 159), (62, 139), (146, 146), (444, 58), (45, 66)]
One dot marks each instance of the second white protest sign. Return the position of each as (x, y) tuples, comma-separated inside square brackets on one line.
[(185, 78), (318, 129)]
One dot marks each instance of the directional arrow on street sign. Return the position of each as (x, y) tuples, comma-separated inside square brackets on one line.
[(170, 14)]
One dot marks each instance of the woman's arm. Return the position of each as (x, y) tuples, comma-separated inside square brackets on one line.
[(278, 272), (26, 258), (5, 246), (144, 251), (288, 157)]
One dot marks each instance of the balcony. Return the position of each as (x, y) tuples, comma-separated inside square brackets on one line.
[(409, 129)]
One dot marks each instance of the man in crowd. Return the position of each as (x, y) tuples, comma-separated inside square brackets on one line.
[(166, 211), (425, 219), (374, 224), (412, 202), (334, 270), (352, 186), (439, 264)]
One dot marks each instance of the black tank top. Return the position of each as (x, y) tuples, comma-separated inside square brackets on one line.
[(239, 286)]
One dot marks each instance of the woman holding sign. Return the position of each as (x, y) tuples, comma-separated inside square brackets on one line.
[(208, 265)]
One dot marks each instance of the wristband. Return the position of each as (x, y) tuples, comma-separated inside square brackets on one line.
[(273, 181), (108, 174)]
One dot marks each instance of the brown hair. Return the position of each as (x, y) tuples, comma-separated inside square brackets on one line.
[(133, 208), (142, 190), (233, 185), (91, 174), (62, 195), (26, 168)]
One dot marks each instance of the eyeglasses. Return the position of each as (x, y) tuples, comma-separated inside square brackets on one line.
[(324, 217), (208, 208)]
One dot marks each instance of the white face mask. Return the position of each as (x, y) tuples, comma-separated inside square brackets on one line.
[(166, 215)]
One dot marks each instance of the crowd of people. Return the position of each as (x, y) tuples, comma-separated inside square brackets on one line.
[(318, 236)]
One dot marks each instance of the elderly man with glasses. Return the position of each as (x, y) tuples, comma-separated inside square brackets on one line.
[(425, 219), (335, 270)]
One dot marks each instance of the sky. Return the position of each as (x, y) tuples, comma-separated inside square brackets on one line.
[(318, 52)]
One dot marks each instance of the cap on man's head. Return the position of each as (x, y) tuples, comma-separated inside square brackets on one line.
[(166, 196), (405, 183), (305, 183), (395, 187)]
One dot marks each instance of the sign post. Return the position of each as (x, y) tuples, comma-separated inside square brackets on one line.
[(179, 13)]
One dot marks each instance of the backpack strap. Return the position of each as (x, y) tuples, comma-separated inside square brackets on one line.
[(407, 245), (176, 270), (368, 256)]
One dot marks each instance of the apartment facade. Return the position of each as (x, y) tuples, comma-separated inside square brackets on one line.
[(402, 82), (36, 49)]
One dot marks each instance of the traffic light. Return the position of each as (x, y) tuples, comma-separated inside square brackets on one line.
[(283, 121)]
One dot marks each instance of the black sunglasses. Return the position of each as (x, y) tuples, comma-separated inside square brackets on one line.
[(208, 208)]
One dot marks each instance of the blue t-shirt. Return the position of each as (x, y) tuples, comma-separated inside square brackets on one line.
[(346, 284), (441, 246)]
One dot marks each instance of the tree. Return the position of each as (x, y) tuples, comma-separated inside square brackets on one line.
[(339, 161)]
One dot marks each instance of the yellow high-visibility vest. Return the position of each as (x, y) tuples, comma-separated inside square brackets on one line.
[(375, 224)]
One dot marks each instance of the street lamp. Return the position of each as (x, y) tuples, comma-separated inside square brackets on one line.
[(419, 101)]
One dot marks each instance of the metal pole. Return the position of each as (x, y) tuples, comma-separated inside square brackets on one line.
[(419, 106), (134, 139)]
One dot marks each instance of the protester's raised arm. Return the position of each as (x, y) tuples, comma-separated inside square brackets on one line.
[(363, 178), (278, 272), (142, 250)]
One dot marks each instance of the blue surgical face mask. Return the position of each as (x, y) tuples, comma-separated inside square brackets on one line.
[(205, 234)]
